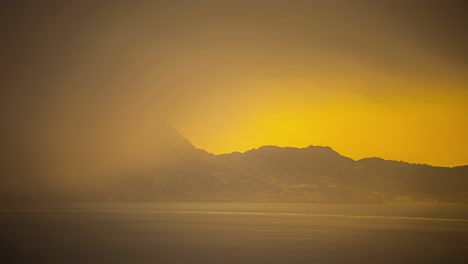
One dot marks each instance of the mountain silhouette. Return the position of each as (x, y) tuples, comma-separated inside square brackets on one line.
[(286, 174), (182, 172)]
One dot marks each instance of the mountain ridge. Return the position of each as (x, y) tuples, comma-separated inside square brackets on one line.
[(310, 174), (269, 174), (330, 148)]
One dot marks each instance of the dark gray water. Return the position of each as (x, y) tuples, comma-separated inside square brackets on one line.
[(233, 233)]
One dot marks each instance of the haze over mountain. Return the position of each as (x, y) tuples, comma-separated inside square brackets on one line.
[(177, 171), (84, 86)]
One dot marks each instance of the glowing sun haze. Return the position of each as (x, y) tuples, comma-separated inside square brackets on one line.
[(411, 123), (88, 83)]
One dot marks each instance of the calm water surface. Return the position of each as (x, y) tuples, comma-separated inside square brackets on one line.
[(233, 233)]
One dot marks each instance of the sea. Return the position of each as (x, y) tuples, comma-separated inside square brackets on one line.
[(220, 233)]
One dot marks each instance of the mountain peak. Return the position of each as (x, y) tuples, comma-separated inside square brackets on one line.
[(309, 148), (320, 148)]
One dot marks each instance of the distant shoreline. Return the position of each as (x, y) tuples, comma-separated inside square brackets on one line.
[(219, 202)]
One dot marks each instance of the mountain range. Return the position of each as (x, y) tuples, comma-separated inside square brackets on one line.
[(286, 174), (178, 171)]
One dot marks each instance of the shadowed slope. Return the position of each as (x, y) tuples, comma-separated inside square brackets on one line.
[(177, 171)]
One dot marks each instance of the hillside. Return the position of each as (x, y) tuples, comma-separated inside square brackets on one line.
[(313, 174), (180, 172)]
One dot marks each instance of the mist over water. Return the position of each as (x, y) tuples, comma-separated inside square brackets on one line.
[(131, 131)]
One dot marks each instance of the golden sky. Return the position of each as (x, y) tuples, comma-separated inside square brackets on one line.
[(410, 125), (87, 84)]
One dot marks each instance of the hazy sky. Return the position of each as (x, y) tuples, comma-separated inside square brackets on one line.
[(87, 83)]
